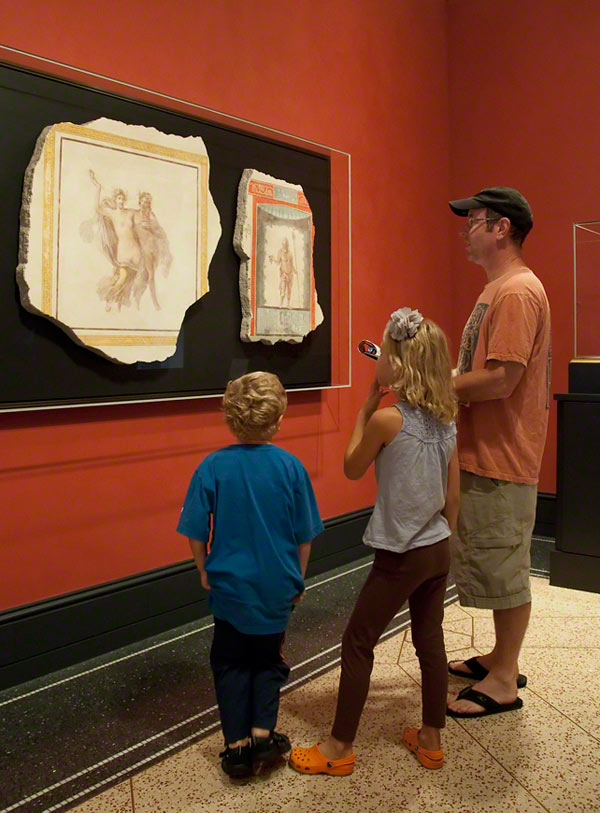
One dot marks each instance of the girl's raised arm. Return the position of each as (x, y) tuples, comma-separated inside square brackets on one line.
[(372, 430)]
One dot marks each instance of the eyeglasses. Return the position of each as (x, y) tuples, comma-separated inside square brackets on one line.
[(471, 221)]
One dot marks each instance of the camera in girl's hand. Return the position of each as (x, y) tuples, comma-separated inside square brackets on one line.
[(369, 349)]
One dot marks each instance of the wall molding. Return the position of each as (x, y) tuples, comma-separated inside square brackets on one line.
[(44, 636), (39, 638), (545, 518)]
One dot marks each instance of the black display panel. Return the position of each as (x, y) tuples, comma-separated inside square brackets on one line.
[(41, 366)]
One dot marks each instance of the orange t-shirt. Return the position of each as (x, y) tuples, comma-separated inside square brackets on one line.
[(505, 438)]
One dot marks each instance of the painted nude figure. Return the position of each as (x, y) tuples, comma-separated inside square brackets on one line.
[(287, 272), (153, 244), (134, 243)]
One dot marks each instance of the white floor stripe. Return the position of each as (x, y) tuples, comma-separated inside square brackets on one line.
[(179, 743), (345, 573), (149, 648), (104, 782), (304, 678), (113, 757), (104, 665)]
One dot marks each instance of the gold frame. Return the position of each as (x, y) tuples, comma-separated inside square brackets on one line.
[(49, 298)]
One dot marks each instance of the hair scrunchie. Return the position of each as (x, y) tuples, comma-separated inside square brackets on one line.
[(404, 323)]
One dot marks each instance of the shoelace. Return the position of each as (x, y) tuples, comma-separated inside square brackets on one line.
[(229, 750)]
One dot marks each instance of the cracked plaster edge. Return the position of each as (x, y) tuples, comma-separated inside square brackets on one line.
[(243, 250), (23, 256), (25, 229)]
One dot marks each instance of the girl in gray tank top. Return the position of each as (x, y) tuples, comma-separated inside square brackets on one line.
[(412, 477), (413, 444)]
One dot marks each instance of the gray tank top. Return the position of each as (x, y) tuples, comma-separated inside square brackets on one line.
[(412, 476)]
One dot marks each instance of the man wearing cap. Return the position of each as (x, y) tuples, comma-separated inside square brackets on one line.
[(503, 383)]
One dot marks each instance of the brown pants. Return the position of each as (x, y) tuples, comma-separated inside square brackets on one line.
[(420, 576)]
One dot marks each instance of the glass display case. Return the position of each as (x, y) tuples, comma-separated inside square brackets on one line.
[(586, 263), (575, 563), (584, 369), (41, 366)]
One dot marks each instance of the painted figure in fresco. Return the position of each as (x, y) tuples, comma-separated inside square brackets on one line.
[(135, 245), (154, 247), (119, 244), (287, 272)]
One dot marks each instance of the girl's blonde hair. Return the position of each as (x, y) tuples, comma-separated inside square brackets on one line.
[(422, 370), (253, 404)]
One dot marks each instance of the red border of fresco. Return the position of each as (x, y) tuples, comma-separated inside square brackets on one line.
[(303, 206)]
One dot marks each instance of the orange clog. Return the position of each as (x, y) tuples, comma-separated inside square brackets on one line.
[(427, 758), (311, 760)]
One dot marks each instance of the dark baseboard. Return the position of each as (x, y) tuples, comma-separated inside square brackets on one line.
[(545, 518), (40, 638)]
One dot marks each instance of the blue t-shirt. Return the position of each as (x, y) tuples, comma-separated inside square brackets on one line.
[(262, 507)]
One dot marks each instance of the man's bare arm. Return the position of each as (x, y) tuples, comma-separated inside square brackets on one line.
[(498, 379)]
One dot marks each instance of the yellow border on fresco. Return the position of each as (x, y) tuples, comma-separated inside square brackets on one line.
[(106, 340), (48, 217)]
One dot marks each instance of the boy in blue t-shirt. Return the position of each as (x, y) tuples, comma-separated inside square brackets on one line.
[(264, 515)]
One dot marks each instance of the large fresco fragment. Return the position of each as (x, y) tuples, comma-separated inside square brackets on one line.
[(273, 237), (118, 229)]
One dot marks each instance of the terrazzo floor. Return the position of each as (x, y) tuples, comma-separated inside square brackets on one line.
[(94, 727), (83, 729), (545, 757)]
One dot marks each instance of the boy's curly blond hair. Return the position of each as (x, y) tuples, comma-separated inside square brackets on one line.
[(253, 405), (423, 371)]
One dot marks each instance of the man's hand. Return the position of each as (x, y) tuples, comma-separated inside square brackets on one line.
[(204, 579)]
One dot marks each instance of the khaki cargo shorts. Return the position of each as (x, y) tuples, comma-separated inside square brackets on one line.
[(490, 547)]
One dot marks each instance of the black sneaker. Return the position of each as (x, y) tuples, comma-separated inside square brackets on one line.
[(267, 751), (237, 762)]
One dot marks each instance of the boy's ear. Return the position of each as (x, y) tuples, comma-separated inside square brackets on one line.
[(278, 424)]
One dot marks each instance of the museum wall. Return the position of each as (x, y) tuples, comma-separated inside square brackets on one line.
[(523, 112), (93, 494)]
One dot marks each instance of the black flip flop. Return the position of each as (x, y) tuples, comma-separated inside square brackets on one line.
[(490, 706), (479, 672)]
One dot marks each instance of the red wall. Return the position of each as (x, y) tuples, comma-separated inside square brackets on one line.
[(524, 79), (94, 494)]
